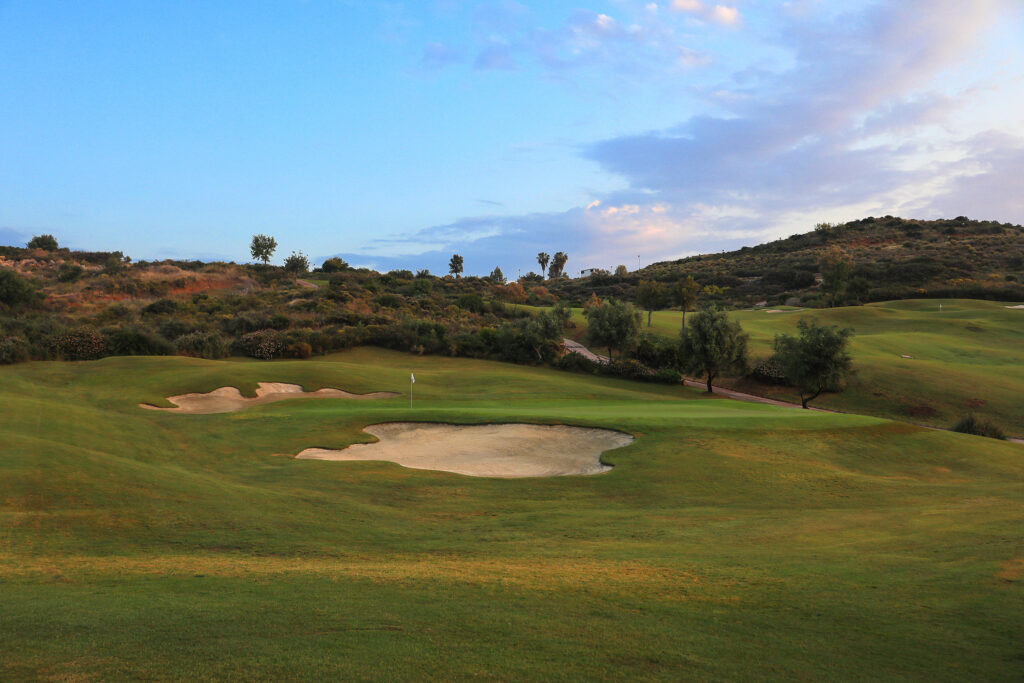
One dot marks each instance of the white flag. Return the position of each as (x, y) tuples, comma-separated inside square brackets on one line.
[(412, 378)]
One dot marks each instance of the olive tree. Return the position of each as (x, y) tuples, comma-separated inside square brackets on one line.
[(712, 344), (816, 361), (650, 295), (613, 325), (296, 264), (45, 242), (684, 295)]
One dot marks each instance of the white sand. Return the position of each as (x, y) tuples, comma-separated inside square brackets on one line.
[(230, 400), (493, 450), (1017, 306)]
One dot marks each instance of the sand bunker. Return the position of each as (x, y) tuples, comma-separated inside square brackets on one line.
[(230, 400), (494, 450), (1018, 306)]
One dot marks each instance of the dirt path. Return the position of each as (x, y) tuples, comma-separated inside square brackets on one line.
[(576, 347)]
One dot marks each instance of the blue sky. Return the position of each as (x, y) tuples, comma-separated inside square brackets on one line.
[(398, 133)]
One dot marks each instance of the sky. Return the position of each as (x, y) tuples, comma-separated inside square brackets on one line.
[(397, 133)]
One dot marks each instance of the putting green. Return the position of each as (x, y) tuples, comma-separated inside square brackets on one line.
[(729, 541)]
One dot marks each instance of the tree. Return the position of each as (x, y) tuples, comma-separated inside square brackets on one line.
[(542, 260), (512, 293), (684, 295), (455, 265), (650, 295), (45, 242), (712, 344), (621, 271), (296, 264), (335, 264), (557, 264), (497, 277), (613, 325), (262, 247), (816, 361), (836, 267)]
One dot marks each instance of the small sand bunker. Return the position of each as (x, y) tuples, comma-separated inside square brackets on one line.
[(1017, 306), (230, 399), (494, 450)]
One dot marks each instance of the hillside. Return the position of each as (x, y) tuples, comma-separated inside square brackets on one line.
[(892, 258)]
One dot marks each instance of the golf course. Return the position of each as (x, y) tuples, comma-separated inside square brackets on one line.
[(913, 360), (727, 541)]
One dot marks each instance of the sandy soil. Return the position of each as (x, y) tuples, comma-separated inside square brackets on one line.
[(494, 450), (230, 400)]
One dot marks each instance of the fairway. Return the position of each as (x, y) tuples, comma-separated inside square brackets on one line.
[(966, 357), (729, 541)]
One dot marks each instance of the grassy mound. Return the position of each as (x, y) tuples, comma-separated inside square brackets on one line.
[(730, 540)]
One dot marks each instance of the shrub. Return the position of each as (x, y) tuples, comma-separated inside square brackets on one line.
[(83, 343), (979, 427), (263, 344), (161, 307), (300, 350), (15, 290), (13, 350), (131, 341), (769, 371), (202, 345), (69, 272)]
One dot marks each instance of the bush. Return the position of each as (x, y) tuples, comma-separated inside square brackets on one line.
[(83, 343), (577, 362), (628, 369), (13, 350), (979, 427), (69, 272), (300, 350), (129, 341), (264, 344), (15, 290), (769, 371), (161, 307), (202, 345)]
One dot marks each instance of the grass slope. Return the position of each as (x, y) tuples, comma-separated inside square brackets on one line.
[(730, 541), (968, 357)]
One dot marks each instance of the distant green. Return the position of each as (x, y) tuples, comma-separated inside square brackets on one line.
[(731, 541)]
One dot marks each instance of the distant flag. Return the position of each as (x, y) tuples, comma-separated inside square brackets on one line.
[(412, 378)]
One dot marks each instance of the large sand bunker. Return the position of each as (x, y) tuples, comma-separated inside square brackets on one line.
[(230, 399), (493, 450)]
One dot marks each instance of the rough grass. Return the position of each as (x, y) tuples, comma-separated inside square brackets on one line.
[(731, 541)]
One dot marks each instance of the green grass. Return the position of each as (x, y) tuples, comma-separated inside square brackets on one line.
[(967, 358), (731, 541)]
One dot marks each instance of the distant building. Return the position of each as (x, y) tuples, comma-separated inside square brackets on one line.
[(586, 272)]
